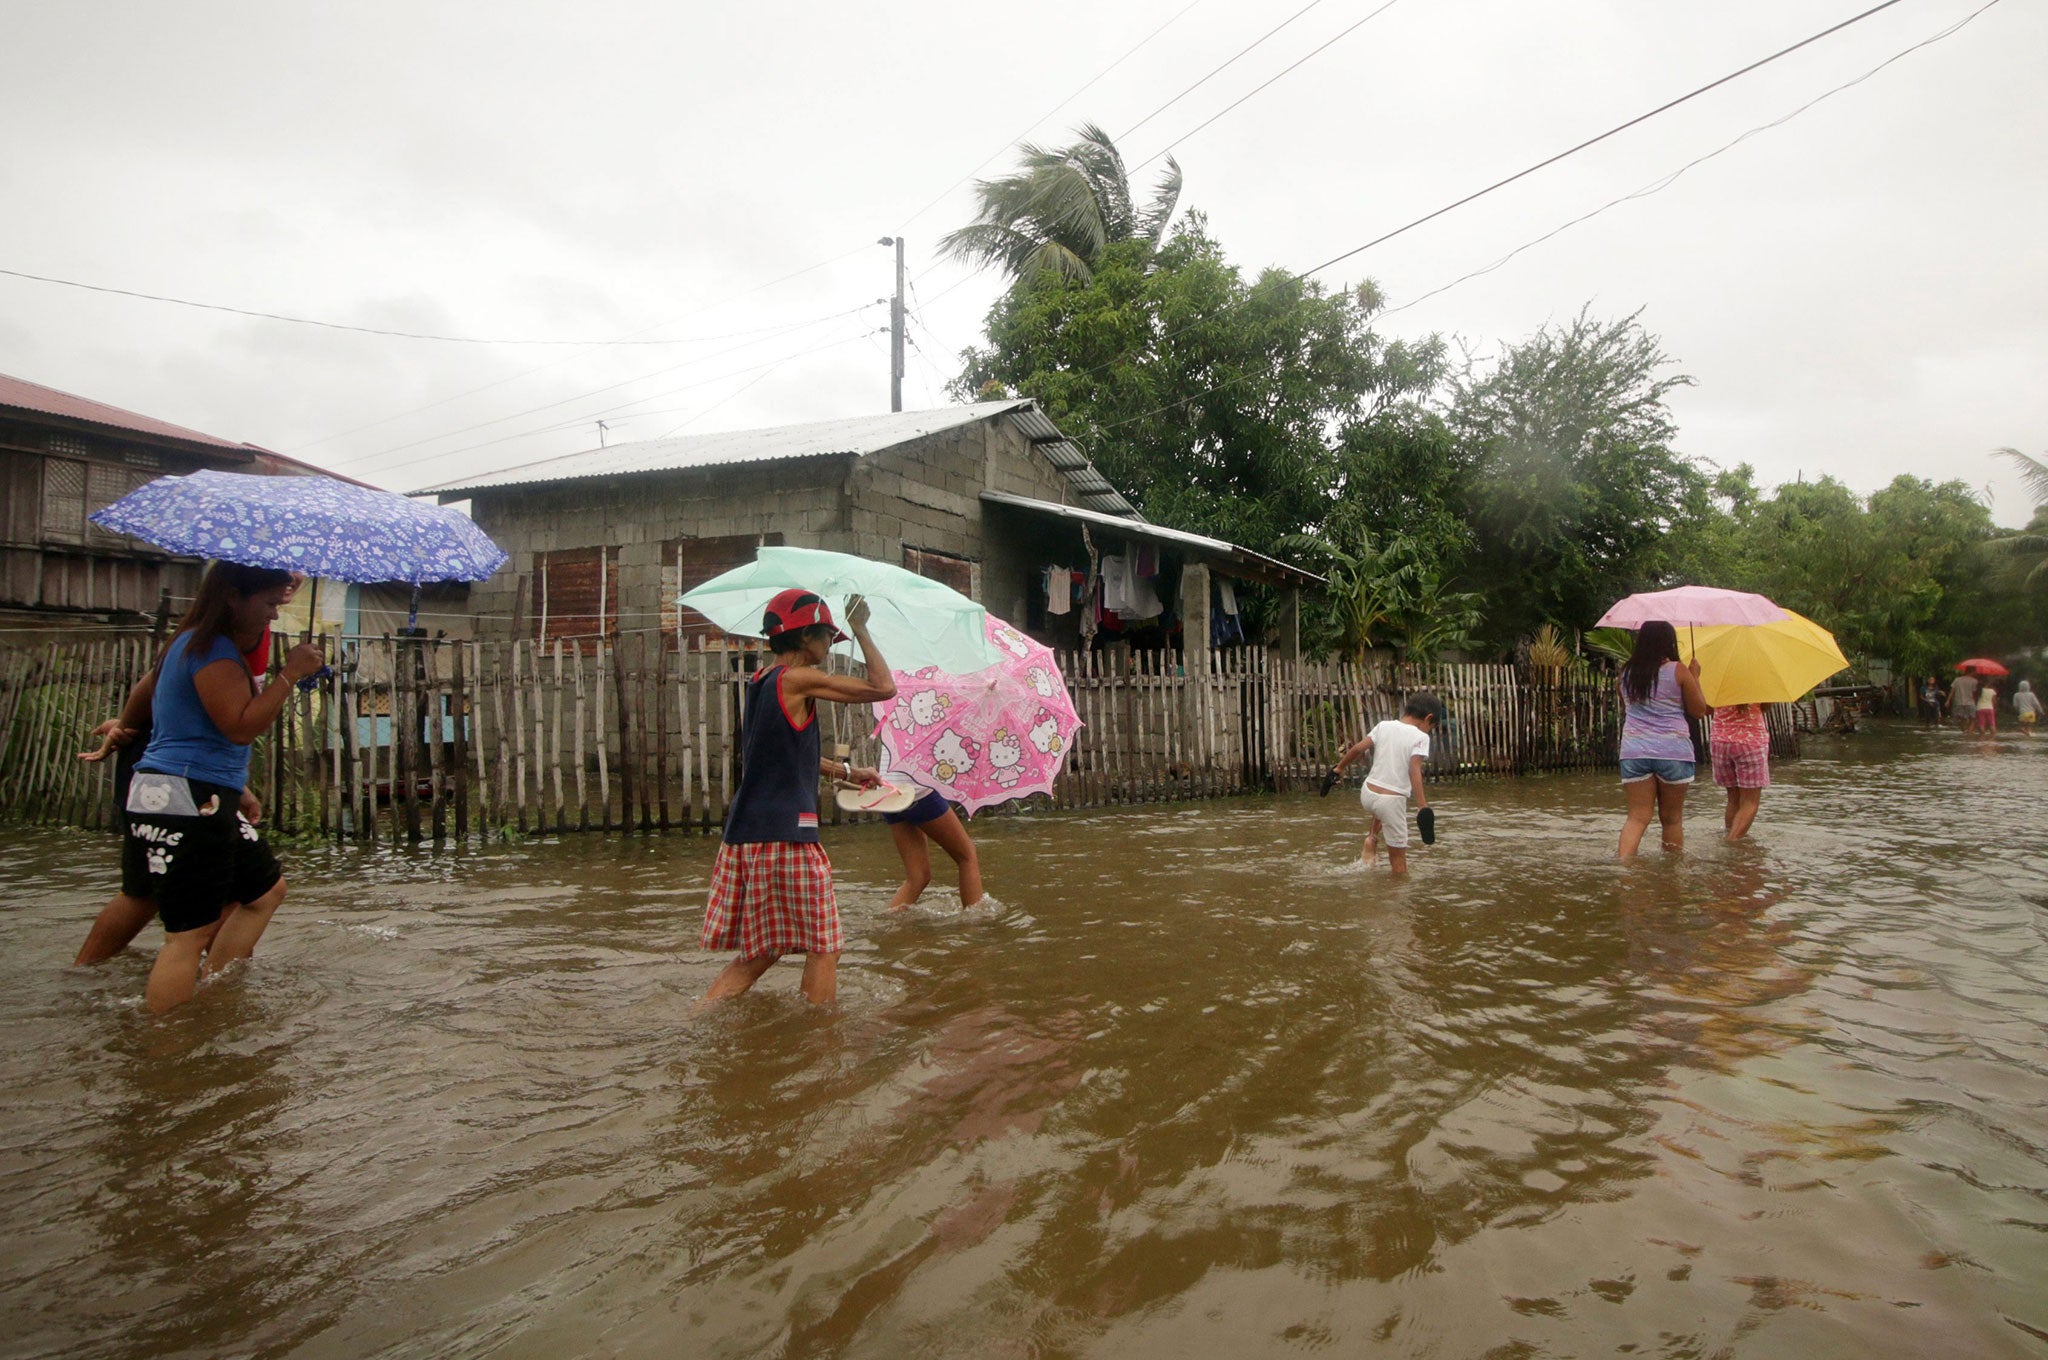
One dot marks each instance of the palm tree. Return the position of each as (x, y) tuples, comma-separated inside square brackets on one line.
[(2029, 547), (1060, 209)]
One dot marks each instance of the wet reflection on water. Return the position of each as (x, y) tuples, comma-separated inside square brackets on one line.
[(1196, 1085)]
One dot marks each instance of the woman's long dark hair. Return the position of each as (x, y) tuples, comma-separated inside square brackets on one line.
[(1656, 643), (213, 603)]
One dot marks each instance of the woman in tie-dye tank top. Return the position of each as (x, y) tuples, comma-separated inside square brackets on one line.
[(1657, 695)]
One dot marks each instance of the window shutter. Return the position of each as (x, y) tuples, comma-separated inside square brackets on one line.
[(63, 500)]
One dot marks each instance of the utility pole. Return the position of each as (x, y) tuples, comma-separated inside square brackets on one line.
[(896, 329)]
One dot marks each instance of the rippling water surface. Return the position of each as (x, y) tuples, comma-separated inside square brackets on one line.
[(1198, 1086)]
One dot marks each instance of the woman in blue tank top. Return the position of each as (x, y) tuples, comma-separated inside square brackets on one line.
[(215, 881), (1657, 695), (771, 885)]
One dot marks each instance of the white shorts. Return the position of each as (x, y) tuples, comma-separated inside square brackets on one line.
[(1390, 810)]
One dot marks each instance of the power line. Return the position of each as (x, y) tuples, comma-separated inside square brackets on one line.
[(1346, 32), (1286, 71), (1552, 160), (917, 315), (623, 407), (1241, 52), (1085, 87), (586, 417), (1595, 141), (1090, 83), (736, 393), (344, 326), (1530, 170), (548, 406), (541, 368), (1663, 182)]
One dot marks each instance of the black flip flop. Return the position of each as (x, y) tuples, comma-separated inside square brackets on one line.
[(1425, 822), (1329, 782)]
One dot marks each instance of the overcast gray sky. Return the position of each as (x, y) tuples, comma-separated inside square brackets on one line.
[(1862, 291)]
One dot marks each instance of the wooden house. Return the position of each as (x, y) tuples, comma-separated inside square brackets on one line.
[(63, 457)]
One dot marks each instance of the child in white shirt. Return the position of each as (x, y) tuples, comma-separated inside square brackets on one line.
[(1399, 749)]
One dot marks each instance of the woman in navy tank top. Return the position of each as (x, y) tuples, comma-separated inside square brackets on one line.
[(771, 886)]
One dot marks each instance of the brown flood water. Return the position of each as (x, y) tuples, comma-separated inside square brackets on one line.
[(1198, 1086)]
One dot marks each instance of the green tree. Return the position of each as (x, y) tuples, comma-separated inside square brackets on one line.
[(1703, 544), (1573, 481), (1216, 404), (1368, 589), (1899, 576), (1061, 209), (1436, 617), (1394, 592), (2027, 550), (1400, 475)]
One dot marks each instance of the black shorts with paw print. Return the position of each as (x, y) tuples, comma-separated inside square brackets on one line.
[(198, 862)]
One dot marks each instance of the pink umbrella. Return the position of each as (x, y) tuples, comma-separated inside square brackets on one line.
[(1699, 606), (984, 738)]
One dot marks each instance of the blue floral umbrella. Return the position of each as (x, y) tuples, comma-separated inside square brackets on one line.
[(315, 525)]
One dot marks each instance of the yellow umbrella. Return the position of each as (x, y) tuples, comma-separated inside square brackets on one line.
[(1762, 663)]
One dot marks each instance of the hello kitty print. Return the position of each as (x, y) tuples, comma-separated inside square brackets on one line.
[(987, 737)]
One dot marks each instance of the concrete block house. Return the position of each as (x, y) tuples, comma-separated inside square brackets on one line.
[(990, 498)]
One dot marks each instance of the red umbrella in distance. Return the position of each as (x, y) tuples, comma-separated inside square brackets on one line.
[(1981, 665)]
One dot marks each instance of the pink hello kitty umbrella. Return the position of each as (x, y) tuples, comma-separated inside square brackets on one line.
[(983, 738)]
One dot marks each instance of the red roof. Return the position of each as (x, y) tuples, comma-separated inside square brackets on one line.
[(22, 395)]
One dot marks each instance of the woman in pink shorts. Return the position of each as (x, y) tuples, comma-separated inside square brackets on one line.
[(1741, 748)]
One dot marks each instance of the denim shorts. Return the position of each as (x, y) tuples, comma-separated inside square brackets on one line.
[(1665, 771)]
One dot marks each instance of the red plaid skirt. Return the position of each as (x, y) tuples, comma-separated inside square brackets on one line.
[(773, 897)]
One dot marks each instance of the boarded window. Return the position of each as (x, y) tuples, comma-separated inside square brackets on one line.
[(957, 572), (575, 595), (688, 562), (63, 500)]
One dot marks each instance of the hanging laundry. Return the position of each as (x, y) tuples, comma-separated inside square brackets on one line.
[(1144, 600), (1059, 590), (1116, 582), (1126, 593), (1148, 561), (1225, 628)]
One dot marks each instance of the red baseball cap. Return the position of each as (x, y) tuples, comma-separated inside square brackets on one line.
[(795, 608)]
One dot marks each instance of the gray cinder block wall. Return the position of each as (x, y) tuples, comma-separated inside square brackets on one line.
[(924, 493)]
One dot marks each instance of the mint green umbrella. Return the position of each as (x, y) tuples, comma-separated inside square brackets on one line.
[(916, 621)]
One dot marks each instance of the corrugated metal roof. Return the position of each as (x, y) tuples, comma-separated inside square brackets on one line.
[(22, 395), (816, 439), (819, 438), (1246, 562), (1090, 486)]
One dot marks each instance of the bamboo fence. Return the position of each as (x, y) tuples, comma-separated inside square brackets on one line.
[(411, 739)]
